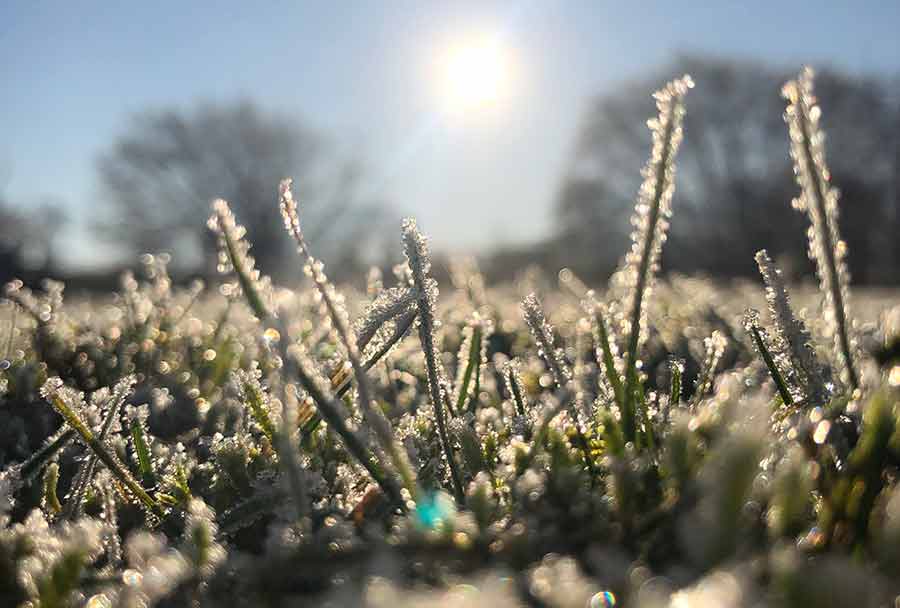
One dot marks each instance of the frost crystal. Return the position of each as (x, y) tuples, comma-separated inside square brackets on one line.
[(512, 376), (820, 201), (542, 333), (471, 360), (45, 308), (386, 308), (201, 546), (10, 484), (715, 348), (234, 256), (792, 337), (251, 392), (580, 372)]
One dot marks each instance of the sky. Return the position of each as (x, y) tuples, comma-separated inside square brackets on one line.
[(369, 76)]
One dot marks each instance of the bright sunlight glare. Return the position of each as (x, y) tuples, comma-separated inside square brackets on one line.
[(475, 75)]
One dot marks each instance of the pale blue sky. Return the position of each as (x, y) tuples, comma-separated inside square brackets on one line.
[(363, 72)]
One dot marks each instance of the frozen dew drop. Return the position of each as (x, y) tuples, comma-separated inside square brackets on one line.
[(271, 335), (98, 601), (821, 432), (602, 599), (894, 376), (132, 578)]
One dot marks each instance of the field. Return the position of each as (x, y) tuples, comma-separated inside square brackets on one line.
[(655, 443)]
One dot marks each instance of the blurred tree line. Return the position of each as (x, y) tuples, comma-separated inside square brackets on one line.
[(27, 239), (157, 178), (734, 184), (734, 175)]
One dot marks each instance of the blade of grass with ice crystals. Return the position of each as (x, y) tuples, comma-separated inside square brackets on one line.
[(715, 347), (513, 380), (340, 382), (49, 500), (820, 200), (542, 332), (676, 368), (793, 339), (251, 393), (751, 324), (47, 452), (341, 325), (234, 255), (651, 221), (331, 411), (138, 432), (563, 396), (415, 248), (472, 351), (604, 348), (86, 471), (53, 392)]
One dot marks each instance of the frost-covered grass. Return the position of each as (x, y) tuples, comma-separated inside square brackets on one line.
[(654, 443)]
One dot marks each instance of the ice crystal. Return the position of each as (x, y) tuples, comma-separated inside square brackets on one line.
[(251, 392), (715, 348), (471, 361), (512, 376), (200, 544), (44, 308), (776, 361), (558, 581), (793, 338), (10, 484), (606, 350), (155, 570), (53, 553), (820, 201), (389, 306), (234, 257), (542, 332)]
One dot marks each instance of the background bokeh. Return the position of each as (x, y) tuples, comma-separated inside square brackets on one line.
[(120, 123)]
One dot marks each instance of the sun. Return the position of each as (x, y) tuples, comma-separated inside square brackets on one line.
[(475, 75)]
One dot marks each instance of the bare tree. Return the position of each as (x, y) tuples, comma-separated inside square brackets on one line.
[(734, 181), (27, 235), (160, 175)]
